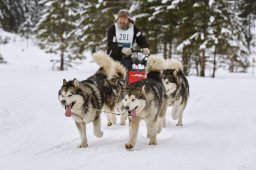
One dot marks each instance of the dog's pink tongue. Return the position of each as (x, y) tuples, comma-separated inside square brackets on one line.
[(68, 112), (134, 114)]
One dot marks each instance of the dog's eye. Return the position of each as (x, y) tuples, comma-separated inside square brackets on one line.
[(69, 95), (167, 82), (133, 100), (125, 100)]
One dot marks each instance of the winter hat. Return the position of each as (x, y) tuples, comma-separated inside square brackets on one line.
[(123, 13)]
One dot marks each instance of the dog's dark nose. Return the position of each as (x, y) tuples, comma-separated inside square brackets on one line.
[(126, 107), (63, 102)]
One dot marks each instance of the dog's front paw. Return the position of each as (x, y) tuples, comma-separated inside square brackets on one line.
[(179, 124), (122, 123), (98, 134), (82, 145), (128, 146), (153, 143)]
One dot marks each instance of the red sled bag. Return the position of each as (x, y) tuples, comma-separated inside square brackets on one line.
[(138, 71), (136, 75)]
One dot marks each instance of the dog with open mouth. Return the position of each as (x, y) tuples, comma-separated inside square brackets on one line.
[(84, 100), (146, 100)]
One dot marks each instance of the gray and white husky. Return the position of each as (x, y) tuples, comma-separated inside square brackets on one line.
[(177, 88), (84, 100), (146, 100)]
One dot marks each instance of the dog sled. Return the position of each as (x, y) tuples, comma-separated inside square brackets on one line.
[(138, 70)]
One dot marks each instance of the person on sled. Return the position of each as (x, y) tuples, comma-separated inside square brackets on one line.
[(120, 38)]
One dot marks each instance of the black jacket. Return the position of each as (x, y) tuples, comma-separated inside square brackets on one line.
[(114, 50)]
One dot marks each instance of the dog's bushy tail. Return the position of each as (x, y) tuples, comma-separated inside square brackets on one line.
[(155, 64), (174, 64), (120, 70), (105, 62)]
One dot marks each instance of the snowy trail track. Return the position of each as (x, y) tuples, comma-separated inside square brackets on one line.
[(219, 123), (218, 133)]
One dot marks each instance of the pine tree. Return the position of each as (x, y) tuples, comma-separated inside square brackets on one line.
[(143, 14), (11, 14), (31, 15), (186, 37), (237, 53), (26, 28), (248, 15), (55, 30), (161, 16), (214, 31), (90, 33), (193, 31)]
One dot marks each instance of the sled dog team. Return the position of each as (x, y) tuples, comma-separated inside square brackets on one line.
[(146, 99)]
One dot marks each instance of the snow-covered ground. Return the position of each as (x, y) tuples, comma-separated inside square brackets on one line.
[(219, 131)]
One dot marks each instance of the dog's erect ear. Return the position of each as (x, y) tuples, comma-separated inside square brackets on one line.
[(175, 73), (75, 82), (64, 81), (142, 90)]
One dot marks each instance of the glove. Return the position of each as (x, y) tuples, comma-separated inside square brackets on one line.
[(145, 51), (127, 51)]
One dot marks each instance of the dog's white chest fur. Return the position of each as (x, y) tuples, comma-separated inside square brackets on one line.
[(80, 116), (142, 114)]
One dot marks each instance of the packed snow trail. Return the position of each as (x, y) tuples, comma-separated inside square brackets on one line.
[(219, 129)]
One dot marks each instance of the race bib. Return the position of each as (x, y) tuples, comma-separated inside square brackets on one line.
[(124, 38)]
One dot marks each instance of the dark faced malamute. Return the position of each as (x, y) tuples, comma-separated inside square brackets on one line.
[(177, 88), (146, 99), (84, 100)]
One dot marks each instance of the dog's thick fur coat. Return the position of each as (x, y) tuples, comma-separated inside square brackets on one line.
[(84, 100), (177, 88), (146, 99)]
